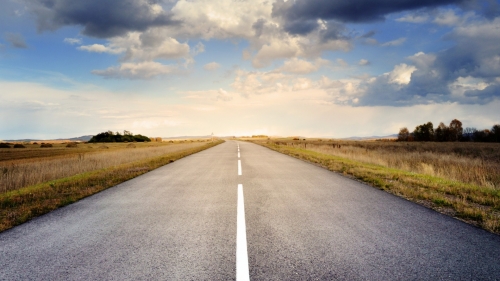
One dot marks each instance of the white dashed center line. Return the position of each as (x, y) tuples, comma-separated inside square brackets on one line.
[(242, 272)]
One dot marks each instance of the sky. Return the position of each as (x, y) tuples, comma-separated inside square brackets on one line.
[(315, 68)]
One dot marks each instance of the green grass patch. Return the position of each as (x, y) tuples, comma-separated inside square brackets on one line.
[(21, 205)]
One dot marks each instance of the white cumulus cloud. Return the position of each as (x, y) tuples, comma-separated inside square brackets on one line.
[(211, 66), (142, 70), (98, 48)]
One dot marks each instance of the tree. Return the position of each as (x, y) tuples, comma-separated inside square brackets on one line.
[(403, 134), (469, 134), (482, 136), (495, 131), (424, 132), (109, 136), (441, 133), (456, 130)]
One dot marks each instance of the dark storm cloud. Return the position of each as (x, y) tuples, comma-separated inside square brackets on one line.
[(354, 11), (99, 18), (368, 34), (433, 83), (483, 96), (300, 27), (467, 73), (16, 40), (489, 8)]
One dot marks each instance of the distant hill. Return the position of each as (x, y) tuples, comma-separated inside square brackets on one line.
[(187, 137), (82, 139), (395, 136)]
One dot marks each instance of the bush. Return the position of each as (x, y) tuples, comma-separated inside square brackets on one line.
[(4, 145), (72, 144), (46, 145), (131, 145), (18, 145), (109, 136)]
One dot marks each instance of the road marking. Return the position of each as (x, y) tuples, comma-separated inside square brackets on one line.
[(239, 167), (241, 240), (238, 154)]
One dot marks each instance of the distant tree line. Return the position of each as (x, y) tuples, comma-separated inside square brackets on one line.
[(453, 132), (127, 136)]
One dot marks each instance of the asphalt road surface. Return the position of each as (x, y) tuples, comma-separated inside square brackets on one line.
[(241, 211)]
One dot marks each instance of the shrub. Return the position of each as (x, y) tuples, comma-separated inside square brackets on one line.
[(46, 145), (18, 145), (403, 134), (72, 144), (109, 136), (4, 145), (131, 145)]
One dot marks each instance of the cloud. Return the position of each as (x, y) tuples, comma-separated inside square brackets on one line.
[(141, 53), (294, 46), (342, 91), (252, 21), (467, 73), (211, 66), (148, 31), (142, 70), (73, 41), (298, 66), (342, 63), (256, 83), (152, 44), (414, 18), (368, 34), (208, 97), (16, 40), (363, 62), (102, 19), (448, 17), (357, 11), (393, 43), (223, 95), (98, 48), (401, 74)]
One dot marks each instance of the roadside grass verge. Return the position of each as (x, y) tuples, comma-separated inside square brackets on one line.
[(474, 204), (19, 173), (19, 206)]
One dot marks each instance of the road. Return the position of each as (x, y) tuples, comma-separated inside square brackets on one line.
[(252, 213)]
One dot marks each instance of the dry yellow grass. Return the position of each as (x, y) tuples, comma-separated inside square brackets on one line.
[(15, 174), (475, 163)]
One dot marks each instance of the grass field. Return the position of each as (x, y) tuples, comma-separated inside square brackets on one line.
[(458, 179), (32, 165), (34, 181)]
